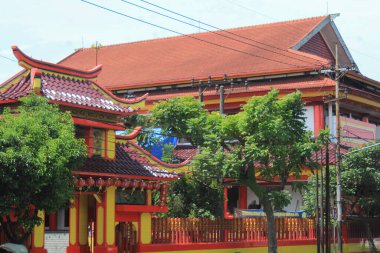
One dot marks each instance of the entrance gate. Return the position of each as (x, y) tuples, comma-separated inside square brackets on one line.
[(126, 237)]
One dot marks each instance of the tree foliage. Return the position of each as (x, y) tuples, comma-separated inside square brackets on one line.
[(38, 150), (192, 198), (267, 141), (360, 181)]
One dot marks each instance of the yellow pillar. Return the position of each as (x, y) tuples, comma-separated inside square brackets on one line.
[(38, 236), (146, 228), (149, 197), (78, 224), (83, 221), (99, 224), (111, 144), (73, 212), (105, 227)]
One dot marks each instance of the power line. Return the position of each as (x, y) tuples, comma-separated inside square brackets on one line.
[(219, 34), (275, 19), (250, 9), (7, 58), (187, 35), (223, 30)]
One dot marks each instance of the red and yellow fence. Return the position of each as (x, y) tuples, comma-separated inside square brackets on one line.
[(203, 230)]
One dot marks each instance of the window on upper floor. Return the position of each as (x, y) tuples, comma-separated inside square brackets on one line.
[(98, 141), (80, 132)]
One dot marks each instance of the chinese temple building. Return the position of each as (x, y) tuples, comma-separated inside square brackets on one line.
[(112, 209), (115, 184)]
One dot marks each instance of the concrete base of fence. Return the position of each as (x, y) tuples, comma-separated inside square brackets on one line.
[(249, 247)]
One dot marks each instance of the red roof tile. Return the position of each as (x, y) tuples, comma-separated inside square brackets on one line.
[(183, 152), (320, 156), (15, 91), (180, 58), (71, 90), (128, 162), (75, 91), (63, 84)]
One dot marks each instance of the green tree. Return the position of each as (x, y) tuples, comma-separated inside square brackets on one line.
[(167, 153), (267, 141), (192, 198), (360, 180), (38, 151)]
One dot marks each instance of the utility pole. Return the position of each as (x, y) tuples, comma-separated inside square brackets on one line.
[(338, 72), (327, 226), (200, 90), (221, 95), (322, 212), (317, 210), (221, 99), (337, 164)]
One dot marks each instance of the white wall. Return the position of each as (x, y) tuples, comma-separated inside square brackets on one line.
[(309, 113), (295, 204)]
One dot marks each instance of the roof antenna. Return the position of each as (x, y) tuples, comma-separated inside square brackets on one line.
[(327, 7), (97, 46)]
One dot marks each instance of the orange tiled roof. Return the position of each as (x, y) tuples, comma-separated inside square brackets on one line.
[(178, 59)]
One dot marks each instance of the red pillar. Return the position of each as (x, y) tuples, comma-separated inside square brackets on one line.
[(53, 221), (227, 215), (319, 122), (243, 197)]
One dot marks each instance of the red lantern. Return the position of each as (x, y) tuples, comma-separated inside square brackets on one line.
[(100, 182), (135, 184), (143, 185), (125, 183), (109, 182), (164, 188), (157, 186), (90, 182), (81, 183), (117, 182), (149, 186)]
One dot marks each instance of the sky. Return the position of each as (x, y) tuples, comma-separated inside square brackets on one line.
[(50, 30)]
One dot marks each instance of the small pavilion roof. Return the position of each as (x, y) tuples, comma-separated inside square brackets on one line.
[(127, 164), (65, 86)]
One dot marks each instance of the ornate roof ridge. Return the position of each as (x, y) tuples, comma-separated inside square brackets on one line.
[(167, 165), (131, 135), (29, 62), (197, 33)]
